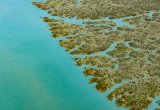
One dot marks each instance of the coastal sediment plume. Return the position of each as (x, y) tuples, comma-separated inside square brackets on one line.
[(112, 53)]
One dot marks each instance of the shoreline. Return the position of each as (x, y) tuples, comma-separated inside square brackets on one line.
[(132, 58)]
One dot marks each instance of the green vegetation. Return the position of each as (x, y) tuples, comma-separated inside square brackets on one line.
[(137, 50)]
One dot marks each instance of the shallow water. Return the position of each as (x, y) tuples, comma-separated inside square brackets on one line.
[(35, 73)]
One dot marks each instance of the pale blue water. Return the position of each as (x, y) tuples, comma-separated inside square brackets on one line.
[(154, 104)]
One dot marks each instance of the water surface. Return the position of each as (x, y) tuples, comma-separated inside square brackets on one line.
[(35, 72)]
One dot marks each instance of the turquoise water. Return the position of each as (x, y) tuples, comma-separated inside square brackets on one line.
[(35, 73), (154, 105)]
